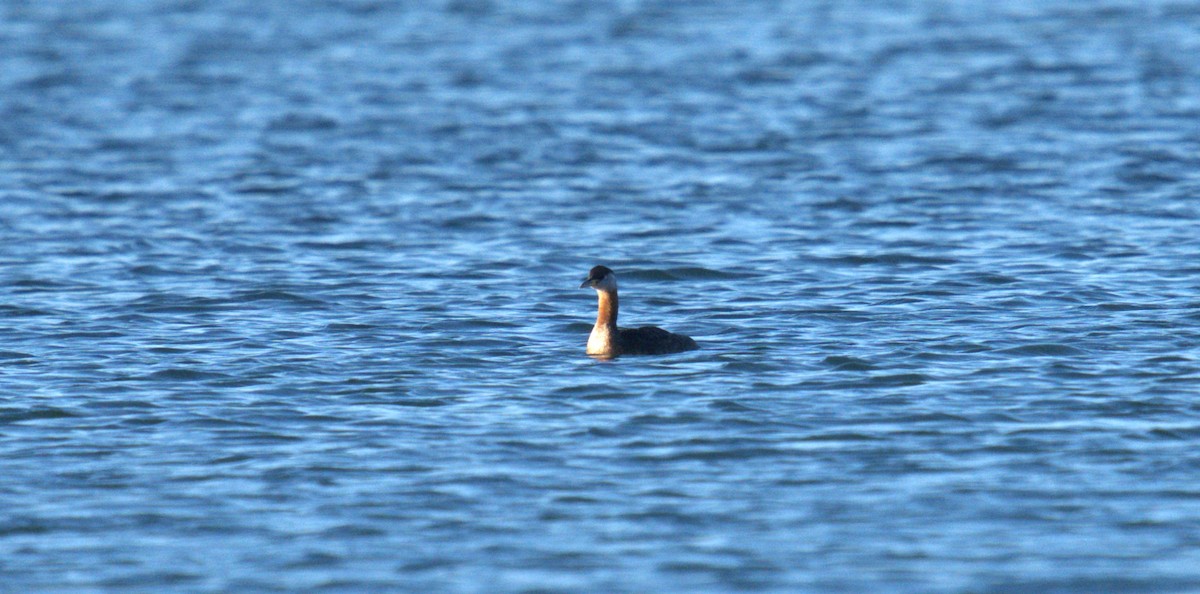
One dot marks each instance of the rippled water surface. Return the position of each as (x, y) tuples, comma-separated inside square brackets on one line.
[(288, 296)]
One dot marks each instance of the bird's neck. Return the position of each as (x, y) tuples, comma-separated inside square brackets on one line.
[(606, 317)]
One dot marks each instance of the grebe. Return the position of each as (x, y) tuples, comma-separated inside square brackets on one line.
[(607, 340)]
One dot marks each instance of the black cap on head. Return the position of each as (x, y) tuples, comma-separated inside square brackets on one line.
[(595, 275)]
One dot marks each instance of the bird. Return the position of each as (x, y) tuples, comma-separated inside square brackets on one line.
[(607, 340)]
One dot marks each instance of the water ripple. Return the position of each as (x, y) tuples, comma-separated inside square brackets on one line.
[(289, 296)]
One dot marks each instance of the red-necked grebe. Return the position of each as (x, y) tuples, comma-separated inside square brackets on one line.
[(607, 340)]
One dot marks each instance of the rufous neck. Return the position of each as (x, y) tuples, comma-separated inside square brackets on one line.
[(607, 315)]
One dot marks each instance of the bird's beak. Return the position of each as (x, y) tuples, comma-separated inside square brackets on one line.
[(589, 282)]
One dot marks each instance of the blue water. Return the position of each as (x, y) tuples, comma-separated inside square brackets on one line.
[(288, 296)]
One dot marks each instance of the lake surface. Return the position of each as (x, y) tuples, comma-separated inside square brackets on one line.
[(288, 296)]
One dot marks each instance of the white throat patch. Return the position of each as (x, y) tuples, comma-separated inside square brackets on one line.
[(609, 283)]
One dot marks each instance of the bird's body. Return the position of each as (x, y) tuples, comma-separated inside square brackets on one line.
[(608, 340)]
